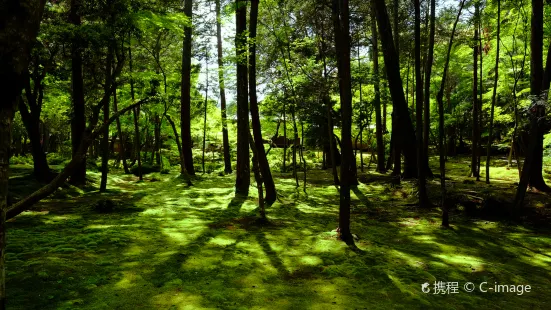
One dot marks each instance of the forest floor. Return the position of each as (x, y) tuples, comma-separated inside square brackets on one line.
[(169, 246)]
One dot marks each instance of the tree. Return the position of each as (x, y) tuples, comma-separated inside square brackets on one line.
[(428, 71), (30, 108), (242, 180), (342, 43), (405, 135), (377, 100), (255, 118), (494, 94), (441, 133), (78, 121), (476, 133), (185, 99), (19, 24), (221, 82), (423, 199)]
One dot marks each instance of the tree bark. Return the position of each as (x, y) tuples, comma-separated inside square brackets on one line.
[(225, 139), (185, 99), (494, 95), (405, 135), (78, 121), (243, 179), (105, 137), (122, 140), (423, 198), (428, 71), (441, 138), (255, 118), (342, 43), (476, 134), (377, 100), (136, 113)]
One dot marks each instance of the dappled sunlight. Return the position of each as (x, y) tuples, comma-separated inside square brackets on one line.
[(200, 248)]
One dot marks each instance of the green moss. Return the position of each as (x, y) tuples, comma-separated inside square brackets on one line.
[(197, 247)]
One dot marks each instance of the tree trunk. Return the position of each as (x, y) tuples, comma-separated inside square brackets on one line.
[(225, 139), (494, 94), (441, 138), (185, 120), (342, 43), (255, 118), (105, 137), (423, 199), (476, 134), (78, 121), (157, 145), (538, 87), (243, 179), (122, 140), (257, 177), (205, 111), (136, 113), (405, 135), (41, 169), (428, 71), (377, 101)]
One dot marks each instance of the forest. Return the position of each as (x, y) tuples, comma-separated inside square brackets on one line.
[(275, 154)]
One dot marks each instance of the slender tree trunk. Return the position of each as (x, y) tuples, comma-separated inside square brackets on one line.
[(257, 177), (480, 92), (441, 138), (423, 199), (243, 180), (342, 43), (476, 134), (405, 136), (221, 81), (122, 144), (105, 137), (428, 71), (205, 110), (78, 121), (40, 164), (361, 118), (494, 94), (284, 136), (135, 112), (255, 117), (377, 101), (157, 145), (185, 120)]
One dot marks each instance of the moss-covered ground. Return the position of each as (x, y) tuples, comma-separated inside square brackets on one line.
[(169, 246)]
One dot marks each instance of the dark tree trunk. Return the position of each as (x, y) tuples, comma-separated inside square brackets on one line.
[(428, 71), (105, 137), (185, 108), (539, 86), (136, 113), (494, 95), (225, 140), (31, 121), (157, 145), (441, 138), (78, 121), (255, 118), (476, 134), (405, 135), (342, 43), (243, 179), (423, 198), (205, 110), (122, 140), (377, 102)]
